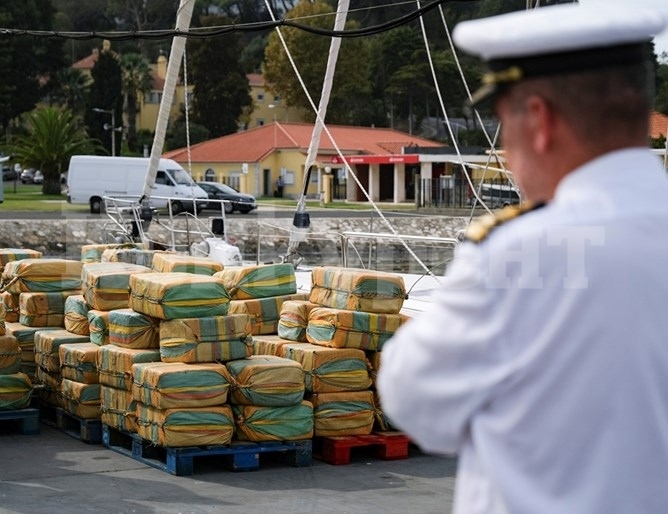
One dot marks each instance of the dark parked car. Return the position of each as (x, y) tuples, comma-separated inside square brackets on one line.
[(8, 173), (236, 201)]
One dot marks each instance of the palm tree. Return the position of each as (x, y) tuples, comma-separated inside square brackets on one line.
[(136, 80), (71, 89), (53, 135)]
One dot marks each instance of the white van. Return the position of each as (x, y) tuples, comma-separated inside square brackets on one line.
[(90, 178)]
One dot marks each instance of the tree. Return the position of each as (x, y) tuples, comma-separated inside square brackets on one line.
[(221, 89), (136, 80), (70, 89), (53, 136)]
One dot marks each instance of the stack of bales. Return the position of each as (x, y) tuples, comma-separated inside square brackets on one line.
[(130, 255), (94, 252), (15, 387), (339, 332)]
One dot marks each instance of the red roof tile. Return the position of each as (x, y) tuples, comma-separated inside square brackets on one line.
[(658, 125)]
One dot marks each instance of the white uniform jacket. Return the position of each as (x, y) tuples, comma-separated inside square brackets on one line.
[(543, 360)]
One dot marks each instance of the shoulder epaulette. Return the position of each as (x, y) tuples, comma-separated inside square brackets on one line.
[(480, 229)]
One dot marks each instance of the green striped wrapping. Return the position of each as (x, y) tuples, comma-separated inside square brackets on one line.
[(106, 285), (166, 262), (213, 339), (258, 424), (357, 289), (167, 385), (82, 400), (293, 319), (26, 339), (114, 364), (15, 391), (48, 379), (131, 256), (260, 281), (42, 275), (266, 380), (130, 329), (78, 362), (17, 254), (349, 329), (93, 253), (76, 315), (119, 409), (98, 326), (339, 414), (47, 344), (10, 302), (178, 295), (269, 345), (264, 312), (43, 309), (10, 355), (330, 370), (203, 426)]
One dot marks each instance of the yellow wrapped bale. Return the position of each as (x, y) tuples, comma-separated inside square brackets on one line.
[(106, 284), (10, 355), (266, 380), (330, 370), (47, 344), (50, 396), (76, 315), (167, 385), (43, 309), (17, 254), (119, 409), (114, 364), (11, 304), (256, 423), (48, 379), (339, 414), (293, 319), (269, 345), (78, 362), (261, 281), (15, 391), (93, 253), (131, 329), (82, 400), (131, 256), (42, 275), (264, 312), (349, 329), (98, 327), (166, 262), (357, 289), (26, 338), (213, 339), (178, 295), (173, 428)]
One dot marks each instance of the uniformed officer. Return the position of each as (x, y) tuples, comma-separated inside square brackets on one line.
[(543, 360)]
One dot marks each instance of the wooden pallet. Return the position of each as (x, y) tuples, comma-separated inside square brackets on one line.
[(236, 456), (386, 445), (25, 420), (87, 430)]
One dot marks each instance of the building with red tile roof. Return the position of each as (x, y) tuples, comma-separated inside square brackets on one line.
[(658, 125)]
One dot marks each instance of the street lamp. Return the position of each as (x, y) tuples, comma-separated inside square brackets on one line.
[(111, 127)]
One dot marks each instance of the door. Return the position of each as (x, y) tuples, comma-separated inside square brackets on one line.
[(266, 182)]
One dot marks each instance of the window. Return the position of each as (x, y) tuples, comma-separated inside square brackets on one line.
[(260, 97), (209, 175), (154, 97)]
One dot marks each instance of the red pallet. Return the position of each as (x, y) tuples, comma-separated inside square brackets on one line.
[(387, 446)]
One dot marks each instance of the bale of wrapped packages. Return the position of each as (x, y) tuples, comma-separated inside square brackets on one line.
[(98, 326), (131, 329), (345, 413), (271, 344), (357, 289), (167, 262), (264, 312), (93, 252), (106, 284), (349, 329), (42, 275), (82, 400), (3, 318), (129, 255), (15, 391), (293, 319), (383, 423), (76, 315), (167, 385), (178, 427), (26, 338), (259, 281), (114, 364), (47, 344), (373, 360), (266, 380), (210, 339), (78, 362), (330, 370), (43, 309), (10, 355), (258, 424), (10, 302), (118, 408), (17, 254), (48, 379), (178, 295)]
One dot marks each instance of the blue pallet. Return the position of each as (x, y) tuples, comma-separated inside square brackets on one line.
[(27, 420), (237, 456)]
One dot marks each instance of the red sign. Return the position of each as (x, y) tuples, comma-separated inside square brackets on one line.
[(379, 159)]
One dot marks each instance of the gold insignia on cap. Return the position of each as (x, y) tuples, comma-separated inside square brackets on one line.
[(480, 229), (512, 74)]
